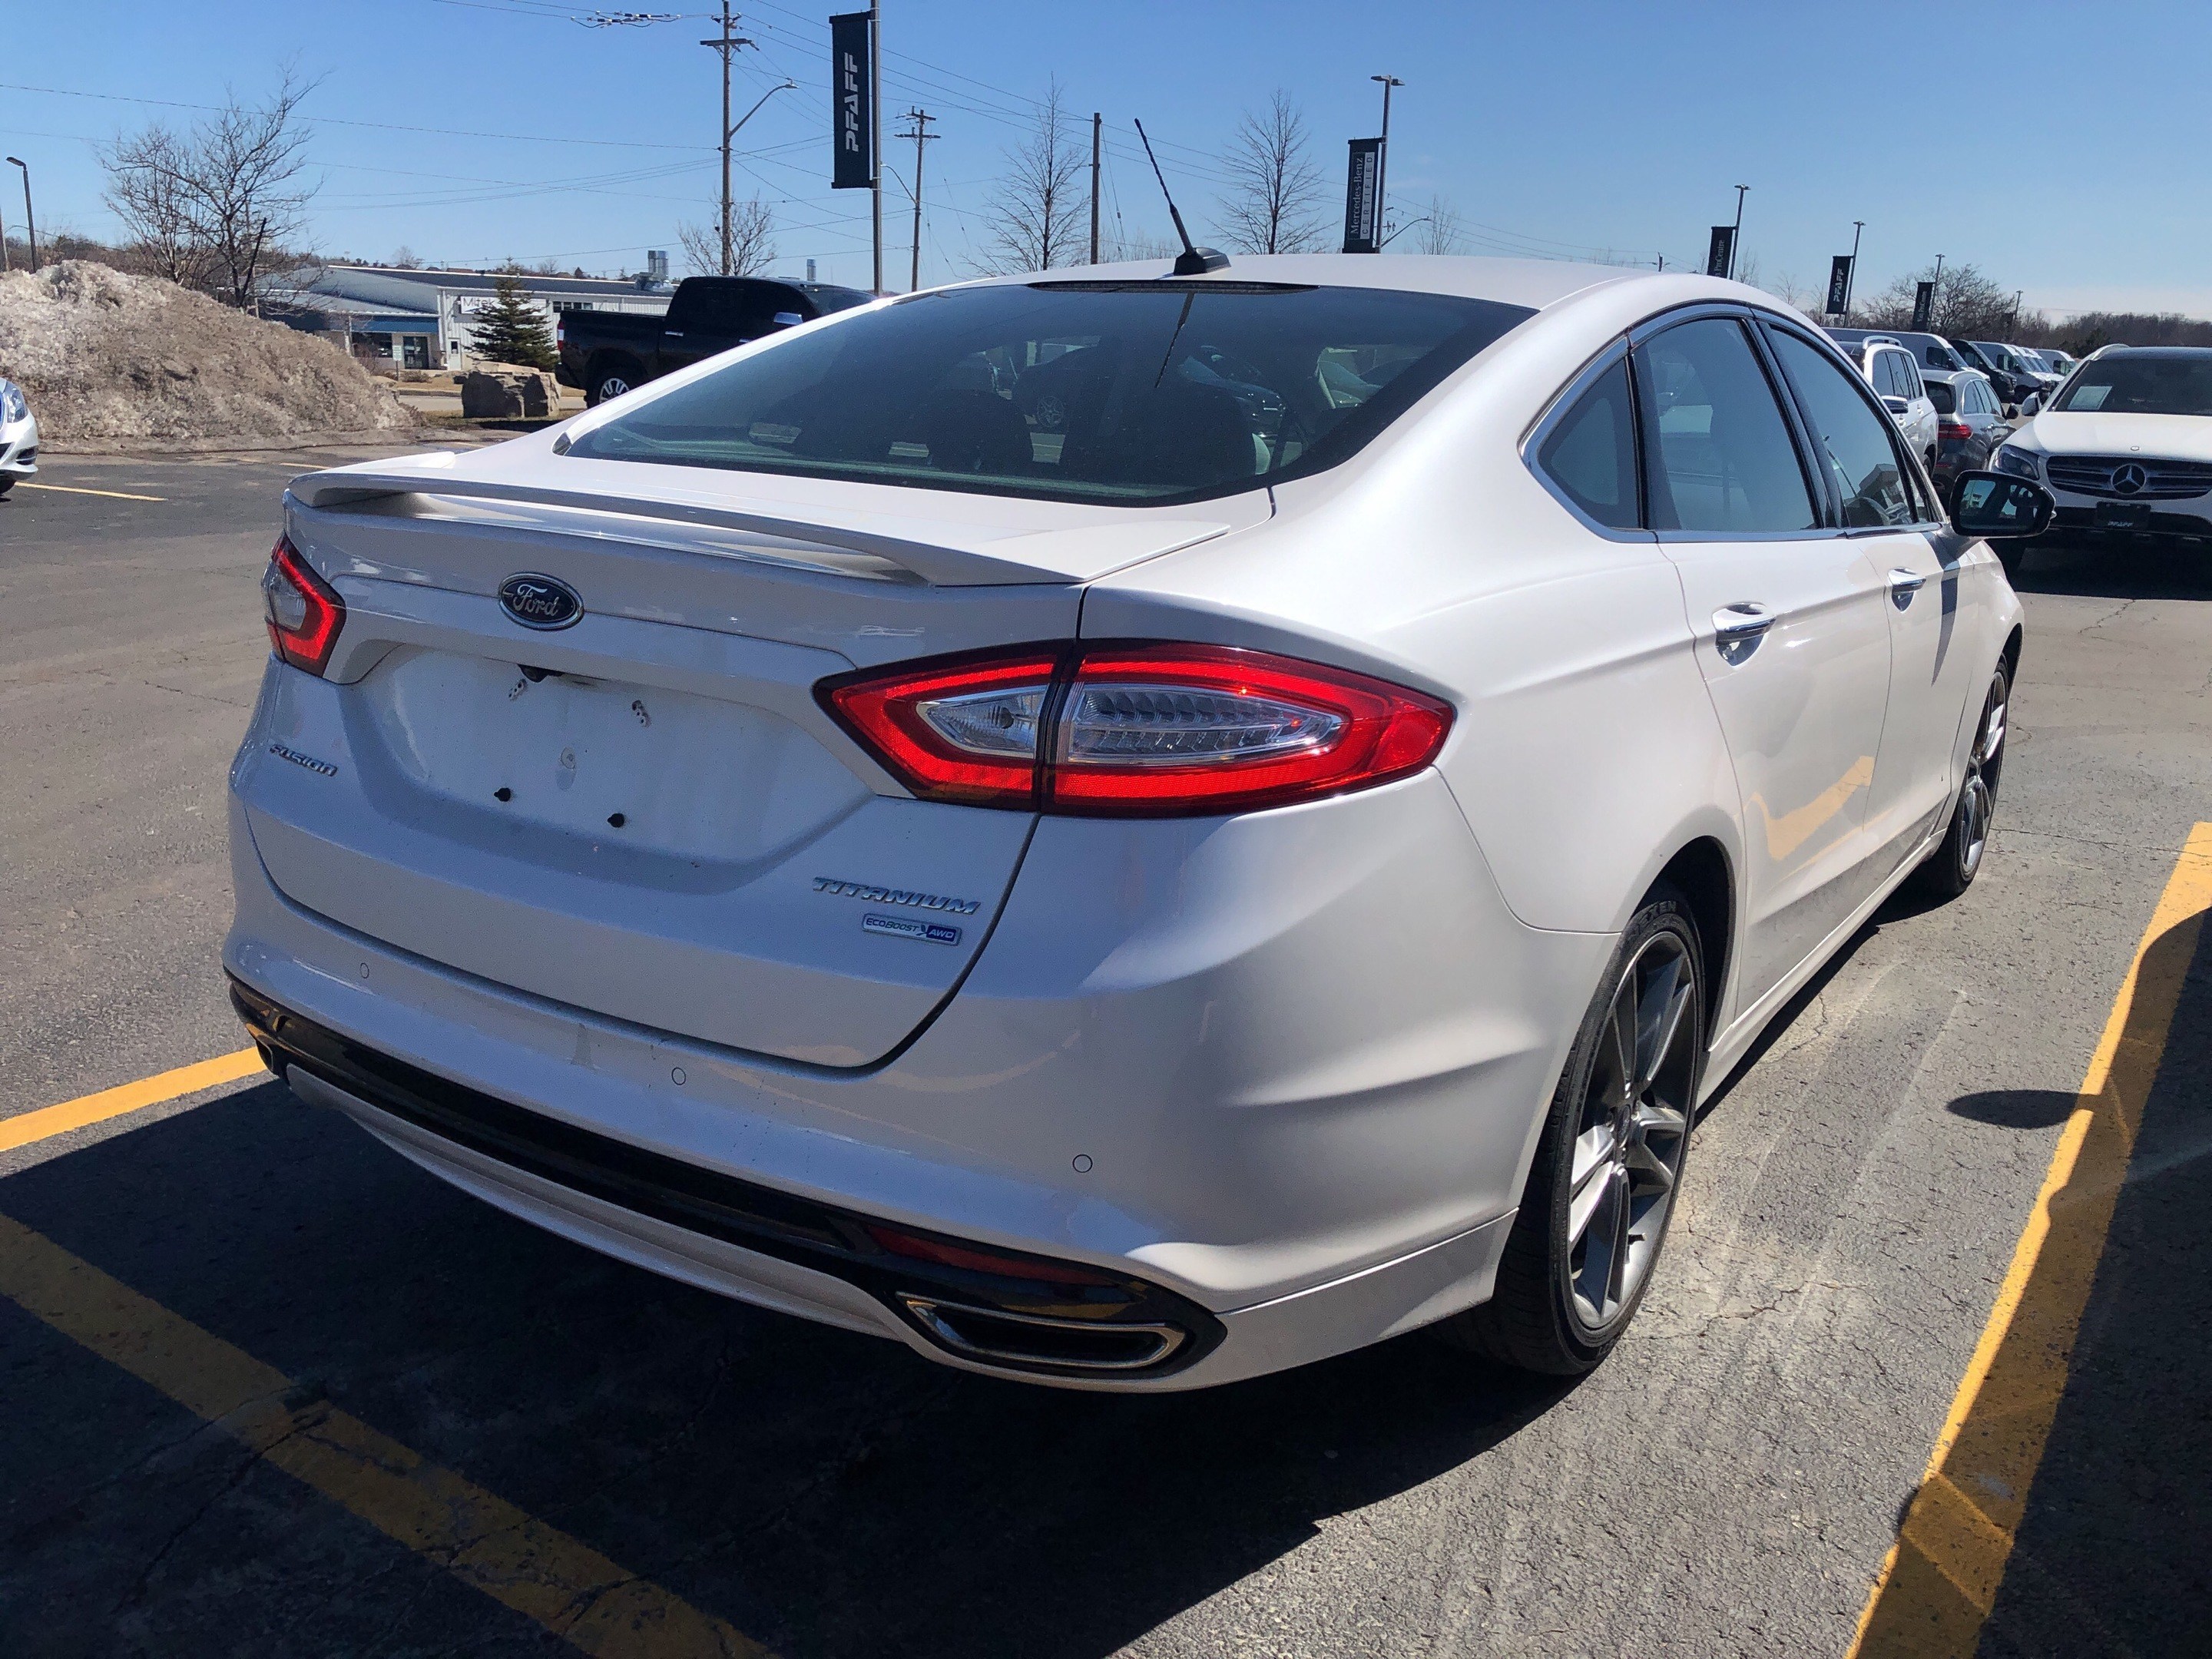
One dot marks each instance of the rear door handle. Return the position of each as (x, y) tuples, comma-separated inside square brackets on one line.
[(1745, 620), (1738, 628)]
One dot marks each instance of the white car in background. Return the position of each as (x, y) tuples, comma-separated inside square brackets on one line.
[(2126, 448), (1890, 369), (1274, 860), (19, 437)]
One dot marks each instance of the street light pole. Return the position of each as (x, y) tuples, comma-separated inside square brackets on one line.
[(1735, 238), (1382, 161), (876, 131), (30, 224), (1851, 278), (1935, 296)]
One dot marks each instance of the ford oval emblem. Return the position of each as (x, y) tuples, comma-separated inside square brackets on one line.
[(540, 602)]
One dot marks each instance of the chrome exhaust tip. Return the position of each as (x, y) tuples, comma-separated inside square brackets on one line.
[(992, 1336)]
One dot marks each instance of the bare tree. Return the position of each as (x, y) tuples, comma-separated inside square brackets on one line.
[(1439, 228), (145, 190), (1968, 304), (752, 241), (231, 193), (1275, 188), (1036, 210)]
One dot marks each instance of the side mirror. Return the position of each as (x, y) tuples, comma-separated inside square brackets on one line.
[(788, 320), (1897, 405), (2033, 405), (1999, 506)]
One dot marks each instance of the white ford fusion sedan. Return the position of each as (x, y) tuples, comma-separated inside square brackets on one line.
[(1271, 858)]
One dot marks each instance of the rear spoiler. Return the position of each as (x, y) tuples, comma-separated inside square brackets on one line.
[(966, 557)]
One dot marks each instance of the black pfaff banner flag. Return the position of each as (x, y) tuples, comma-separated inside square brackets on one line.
[(1363, 202), (1721, 253), (1840, 284), (852, 122), (1924, 306)]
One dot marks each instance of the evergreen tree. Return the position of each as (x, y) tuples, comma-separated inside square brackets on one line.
[(512, 329)]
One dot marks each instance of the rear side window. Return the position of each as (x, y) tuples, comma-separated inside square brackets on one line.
[(1591, 454), (1908, 377), (1717, 452), (1850, 439)]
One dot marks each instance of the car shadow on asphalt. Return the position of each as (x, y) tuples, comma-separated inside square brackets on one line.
[(824, 1492), (2111, 1556)]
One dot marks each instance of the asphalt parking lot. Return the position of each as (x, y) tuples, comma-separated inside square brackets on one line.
[(270, 1390)]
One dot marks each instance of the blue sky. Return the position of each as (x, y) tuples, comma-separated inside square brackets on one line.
[(2063, 148)]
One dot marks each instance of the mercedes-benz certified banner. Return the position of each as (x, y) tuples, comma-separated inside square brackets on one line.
[(1720, 253), (1840, 284), (1363, 202), (852, 122), (1924, 306)]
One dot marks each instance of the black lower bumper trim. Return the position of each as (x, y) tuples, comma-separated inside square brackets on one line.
[(1066, 1298)]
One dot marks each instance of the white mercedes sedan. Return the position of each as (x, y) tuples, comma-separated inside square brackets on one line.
[(1271, 857)]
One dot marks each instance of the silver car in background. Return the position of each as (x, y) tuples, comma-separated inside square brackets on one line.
[(19, 437), (1271, 859)]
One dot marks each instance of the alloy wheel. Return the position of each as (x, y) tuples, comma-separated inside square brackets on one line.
[(1632, 1132), (1977, 803)]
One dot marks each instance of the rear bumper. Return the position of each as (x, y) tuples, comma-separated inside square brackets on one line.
[(1281, 1073)]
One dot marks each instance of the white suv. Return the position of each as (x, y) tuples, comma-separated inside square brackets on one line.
[(2127, 448), (1890, 370)]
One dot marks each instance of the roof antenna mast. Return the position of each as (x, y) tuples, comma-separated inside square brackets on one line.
[(1192, 261)]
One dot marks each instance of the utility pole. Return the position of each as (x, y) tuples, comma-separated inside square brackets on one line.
[(30, 224), (728, 44), (920, 135), (1851, 280), (1098, 129), (1382, 161), (876, 132), (1735, 241)]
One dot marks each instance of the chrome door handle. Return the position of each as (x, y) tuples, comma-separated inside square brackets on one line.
[(1903, 585), (1738, 628), (1744, 621), (674, 333)]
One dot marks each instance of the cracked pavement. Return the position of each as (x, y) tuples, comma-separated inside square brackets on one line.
[(1728, 1484)]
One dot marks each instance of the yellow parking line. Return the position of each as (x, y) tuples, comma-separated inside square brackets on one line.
[(49, 1121), (569, 1587), (1940, 1581), (113, 495)]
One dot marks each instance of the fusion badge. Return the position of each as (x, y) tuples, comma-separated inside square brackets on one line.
[(936, 933)]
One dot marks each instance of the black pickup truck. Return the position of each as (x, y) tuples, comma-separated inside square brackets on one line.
[(605, 353)]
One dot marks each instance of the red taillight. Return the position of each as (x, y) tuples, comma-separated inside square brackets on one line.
[(304, 611), (1137, 729), (960, 729), (1954, 431)]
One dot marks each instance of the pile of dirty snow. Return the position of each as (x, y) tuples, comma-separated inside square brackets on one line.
[(104, 354)]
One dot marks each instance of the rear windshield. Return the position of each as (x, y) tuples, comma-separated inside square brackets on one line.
[(1946, 401), (1138, 392), (2126, 385)]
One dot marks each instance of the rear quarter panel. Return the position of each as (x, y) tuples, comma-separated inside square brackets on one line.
[(1585, 751)]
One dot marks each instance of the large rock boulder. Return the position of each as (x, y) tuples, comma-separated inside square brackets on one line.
[(107, 355), (505, 392)]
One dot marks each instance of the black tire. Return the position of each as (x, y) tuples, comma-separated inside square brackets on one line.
[(1950, 870), (610, 378), (6, 484), (1542, 1317)]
